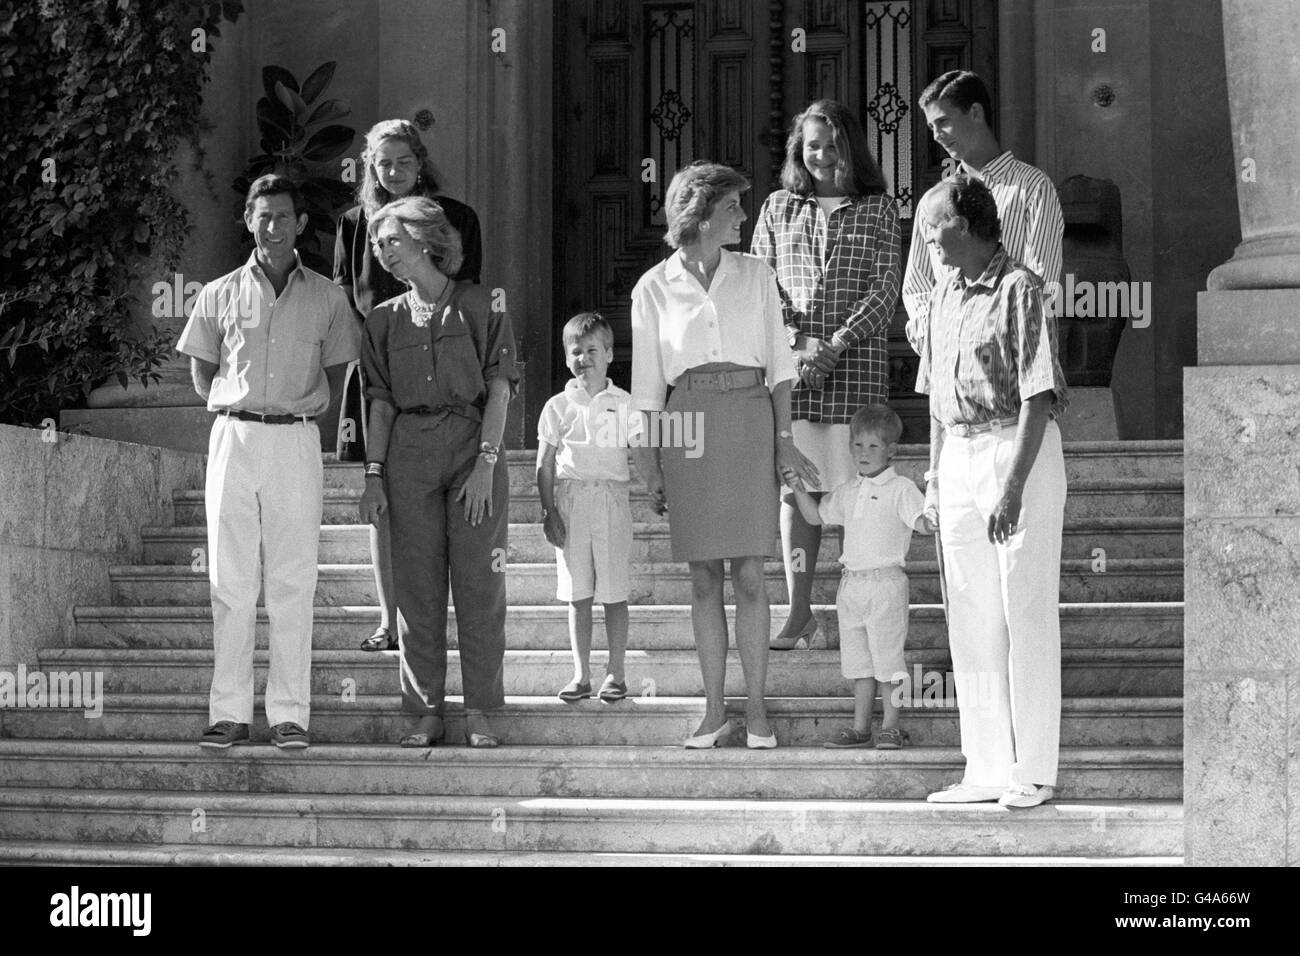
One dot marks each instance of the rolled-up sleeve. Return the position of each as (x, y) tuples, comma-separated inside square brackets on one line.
[(374, 357), (649, 385), (499, 357), (780, 360)]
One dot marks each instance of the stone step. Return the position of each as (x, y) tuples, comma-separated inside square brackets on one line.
[(636, 825), (1138, 537), (1132, 579), (545, 721), (1087, 498), (734, 773), (651, 627), (1119, 459), (82, 854), (1085, 672)]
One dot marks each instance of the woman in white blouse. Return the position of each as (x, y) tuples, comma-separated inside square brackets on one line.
[(708, 322)]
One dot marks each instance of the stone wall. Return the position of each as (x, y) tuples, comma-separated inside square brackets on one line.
[(71, 507)]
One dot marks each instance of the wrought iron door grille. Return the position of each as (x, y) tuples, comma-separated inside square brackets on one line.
[(889, 95), (670, 91)]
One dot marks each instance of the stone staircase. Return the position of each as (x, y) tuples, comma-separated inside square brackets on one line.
[(595, 783)]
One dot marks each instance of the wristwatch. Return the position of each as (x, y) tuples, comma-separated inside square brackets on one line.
[(488, 452), (792, 335)]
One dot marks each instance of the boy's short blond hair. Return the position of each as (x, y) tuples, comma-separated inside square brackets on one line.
[(880, 420), (588, 323)]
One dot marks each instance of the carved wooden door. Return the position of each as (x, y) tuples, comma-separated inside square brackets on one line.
[(644, 87)]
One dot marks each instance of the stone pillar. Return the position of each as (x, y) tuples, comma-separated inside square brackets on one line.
[(1242, 631), (510, 181)]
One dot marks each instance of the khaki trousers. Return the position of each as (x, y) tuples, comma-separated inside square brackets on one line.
[(264, 505)]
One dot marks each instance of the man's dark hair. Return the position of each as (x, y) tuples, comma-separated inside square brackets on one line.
[(971, 199), (273, 184), (962, 89)]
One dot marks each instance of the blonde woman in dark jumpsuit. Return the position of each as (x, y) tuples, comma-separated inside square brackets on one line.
[(441, 368)]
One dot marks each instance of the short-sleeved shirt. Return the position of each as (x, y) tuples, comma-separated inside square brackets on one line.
[(838, 272), (591, 433), (989, 344), (878, 515), (1032, 230), (271, 351), (442, 361), (367, 283), (677, 325)]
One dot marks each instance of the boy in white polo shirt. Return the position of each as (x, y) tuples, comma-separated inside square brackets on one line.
[(879, 510), (583, 478)]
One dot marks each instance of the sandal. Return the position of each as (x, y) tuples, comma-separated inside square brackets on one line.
[(891, 739), (423, 735), (381, 640), (848, 739)]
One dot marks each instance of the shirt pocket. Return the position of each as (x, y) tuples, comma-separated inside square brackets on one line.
[(302, 365), (409, 368), (982, 366), (460, 373)]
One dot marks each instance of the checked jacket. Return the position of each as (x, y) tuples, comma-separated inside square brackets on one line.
[(840, 284)]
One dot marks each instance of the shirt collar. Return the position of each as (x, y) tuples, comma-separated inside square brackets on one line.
[(995, 168), (884, 478), (676, 269), (255, 268), (580, 395), (989, 277)]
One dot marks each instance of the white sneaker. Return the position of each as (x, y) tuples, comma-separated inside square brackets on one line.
[(1025, 795), (964, 793)]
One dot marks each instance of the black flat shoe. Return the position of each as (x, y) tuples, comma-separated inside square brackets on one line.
[(381, 640)]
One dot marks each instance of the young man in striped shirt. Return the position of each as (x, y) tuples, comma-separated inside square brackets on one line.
[(958, 111)]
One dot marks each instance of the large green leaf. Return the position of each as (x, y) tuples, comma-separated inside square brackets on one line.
[(315, 84), (328, 143), (329, 110), (277, 74)]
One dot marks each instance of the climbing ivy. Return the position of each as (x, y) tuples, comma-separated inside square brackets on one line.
[(95, 98)]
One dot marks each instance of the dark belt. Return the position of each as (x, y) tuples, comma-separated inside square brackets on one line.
[(438, 410), (268, 419), (721, 381)]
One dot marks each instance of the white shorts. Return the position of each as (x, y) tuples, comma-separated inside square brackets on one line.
[(595, 559), (827, 447), (872, 608)]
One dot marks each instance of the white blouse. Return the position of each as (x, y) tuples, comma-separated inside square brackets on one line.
[(676, 325)]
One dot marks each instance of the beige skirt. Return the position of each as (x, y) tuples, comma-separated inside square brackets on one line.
[(827, 446), (722, 492)]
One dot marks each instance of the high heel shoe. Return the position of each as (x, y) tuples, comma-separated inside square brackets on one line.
[(807, 636), (708, 741), (755, 742)]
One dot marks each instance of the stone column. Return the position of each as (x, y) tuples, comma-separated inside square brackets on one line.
[(1242, 632)]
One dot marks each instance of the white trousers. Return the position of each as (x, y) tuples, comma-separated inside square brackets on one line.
[(1004, 607), (264, 506)]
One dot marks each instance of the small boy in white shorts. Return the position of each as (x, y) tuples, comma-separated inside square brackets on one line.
[(879, 510), (583, 478)]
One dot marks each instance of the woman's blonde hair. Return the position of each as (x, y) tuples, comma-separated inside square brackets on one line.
[(370, 193), (428, 225)]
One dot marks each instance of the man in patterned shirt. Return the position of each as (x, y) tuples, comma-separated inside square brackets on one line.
[(958, 110), (997, 486)]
